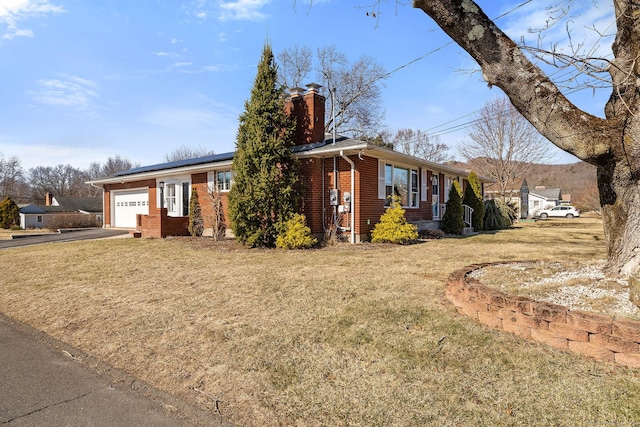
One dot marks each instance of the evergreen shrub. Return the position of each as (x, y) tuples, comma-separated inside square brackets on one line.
[(393, 226), (473, 198), (452, 220), (196, 223), (9, 213), (295, 234), (498, 215)]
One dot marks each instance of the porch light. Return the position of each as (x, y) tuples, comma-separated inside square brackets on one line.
[(161, 183)]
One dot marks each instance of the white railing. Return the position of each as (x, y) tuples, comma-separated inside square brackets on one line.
[(467, 215)]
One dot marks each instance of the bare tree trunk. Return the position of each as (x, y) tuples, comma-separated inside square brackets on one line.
[(620, 201), (611, 144)]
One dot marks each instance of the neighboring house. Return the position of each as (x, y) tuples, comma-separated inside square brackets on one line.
[(541, 198), (518, 199), (31, 216), (57, 211), (347, 183)]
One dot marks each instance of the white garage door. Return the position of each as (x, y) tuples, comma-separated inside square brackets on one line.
[(129, 203)]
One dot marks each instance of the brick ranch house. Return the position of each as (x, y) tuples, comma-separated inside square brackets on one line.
[(346, 183)]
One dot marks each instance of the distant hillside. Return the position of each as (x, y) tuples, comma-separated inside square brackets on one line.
[(576, 179)]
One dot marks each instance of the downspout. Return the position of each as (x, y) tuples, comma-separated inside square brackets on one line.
[(104, 222), (353, 196), (324, 210)]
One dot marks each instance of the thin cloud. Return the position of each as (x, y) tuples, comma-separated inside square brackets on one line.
[(226, 10), (181, 64), (245, 10), (70, 92), (191, 117), (14, 12)]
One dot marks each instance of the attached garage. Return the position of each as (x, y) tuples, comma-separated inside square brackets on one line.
[(127, 204)]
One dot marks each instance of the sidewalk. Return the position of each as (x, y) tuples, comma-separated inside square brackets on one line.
[(45, 382)]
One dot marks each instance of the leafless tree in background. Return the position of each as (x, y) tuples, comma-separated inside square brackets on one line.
[(183, 153), (96, 170), (353, 90), (295, 65), (502, 145), (12, 183), (418, 143), (61, 180)]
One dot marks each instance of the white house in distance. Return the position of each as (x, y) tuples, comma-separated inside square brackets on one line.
[(528, 202), (540, 198), (76, 211)]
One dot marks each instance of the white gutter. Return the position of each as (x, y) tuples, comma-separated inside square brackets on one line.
[(353, 196), (104, 209)]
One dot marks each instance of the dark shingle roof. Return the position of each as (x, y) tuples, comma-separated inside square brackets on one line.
[(549, 193), (177, 164), (76, 204)]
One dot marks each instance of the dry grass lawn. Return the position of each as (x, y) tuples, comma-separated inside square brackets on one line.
[(339, 336)]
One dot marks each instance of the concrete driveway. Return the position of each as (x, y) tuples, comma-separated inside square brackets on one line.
[(64, 236)]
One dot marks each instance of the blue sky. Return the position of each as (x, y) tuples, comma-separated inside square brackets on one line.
[(85, 80)]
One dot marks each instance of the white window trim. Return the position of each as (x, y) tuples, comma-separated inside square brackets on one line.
[(212, 179), (382, 193), (178, 182)]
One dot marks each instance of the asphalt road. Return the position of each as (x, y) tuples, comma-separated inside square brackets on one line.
[(69, 236), (44, 382)]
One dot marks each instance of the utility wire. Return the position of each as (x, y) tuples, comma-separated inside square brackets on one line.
[(470, 123)]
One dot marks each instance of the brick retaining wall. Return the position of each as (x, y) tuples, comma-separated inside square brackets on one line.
[(601, 337)]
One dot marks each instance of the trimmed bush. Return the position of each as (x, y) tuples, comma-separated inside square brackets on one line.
[(452, 220), (393, 226), (473, 198), (196, 223), (295, 234)]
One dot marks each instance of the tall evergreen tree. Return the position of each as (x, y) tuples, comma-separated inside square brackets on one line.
[(265, 192), (473, 198)]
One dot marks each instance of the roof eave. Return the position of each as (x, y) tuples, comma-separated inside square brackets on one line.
[(160, 173)]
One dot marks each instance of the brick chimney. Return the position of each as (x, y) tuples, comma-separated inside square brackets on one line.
[(48, 199), (308, 109)]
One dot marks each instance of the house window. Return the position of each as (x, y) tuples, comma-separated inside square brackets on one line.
[(39, 219), (414, 187), (403, 183), (186, 195), (170, 197), (435, 180), (435, 196), (223, 180)]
